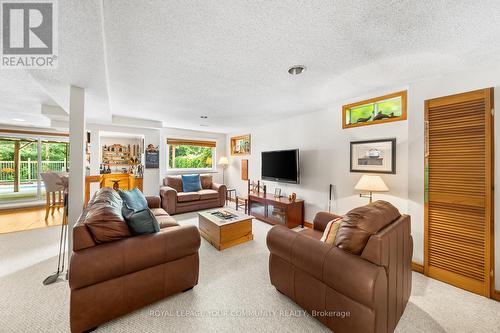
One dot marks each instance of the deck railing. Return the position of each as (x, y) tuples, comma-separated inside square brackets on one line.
[(29, 169)]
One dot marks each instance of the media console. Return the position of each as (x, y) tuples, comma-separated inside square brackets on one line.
[(274, 210)]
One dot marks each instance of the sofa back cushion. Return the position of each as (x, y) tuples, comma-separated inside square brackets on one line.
[(107, 195), (360, 223), (174, 182), (206, 182), (191, 183), (106, 222)]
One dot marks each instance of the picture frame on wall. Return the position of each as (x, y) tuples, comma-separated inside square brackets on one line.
[(152, 157), (240, 145), (373, 156)]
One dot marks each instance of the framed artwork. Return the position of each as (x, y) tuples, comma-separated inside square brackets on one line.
[(152, 157), (240, 145), (378, 110), (373, 156)]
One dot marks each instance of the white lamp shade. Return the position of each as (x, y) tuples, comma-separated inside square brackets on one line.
[(371, 183), (223, 161)]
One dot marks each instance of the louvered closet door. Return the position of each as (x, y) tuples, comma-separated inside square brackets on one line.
[(459, 192)]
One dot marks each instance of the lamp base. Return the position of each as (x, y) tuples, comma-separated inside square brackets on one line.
[(369, 196)]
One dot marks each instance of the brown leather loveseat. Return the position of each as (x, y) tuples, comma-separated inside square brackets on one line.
[(112, 273), (361, 283), (175, 201)]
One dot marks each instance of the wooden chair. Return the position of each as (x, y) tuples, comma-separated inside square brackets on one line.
[(54, 191), (242, 202)]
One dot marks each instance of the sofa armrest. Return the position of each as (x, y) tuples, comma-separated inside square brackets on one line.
[(168, 199), (111, 260), (321, 220), (154, 201), (344, 272), (222, 189)]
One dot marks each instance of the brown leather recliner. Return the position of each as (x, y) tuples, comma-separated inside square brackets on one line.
[(112, 278), (362, 283), (175, 201)]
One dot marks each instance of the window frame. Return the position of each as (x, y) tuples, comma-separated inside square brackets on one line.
[(191, 142), (404, 101)]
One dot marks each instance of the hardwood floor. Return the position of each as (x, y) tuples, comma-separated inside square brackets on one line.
[(28, 218)]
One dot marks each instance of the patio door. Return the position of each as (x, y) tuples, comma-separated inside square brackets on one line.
[(22, 158)]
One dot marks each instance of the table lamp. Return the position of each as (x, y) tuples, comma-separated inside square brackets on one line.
[(223, 162), (370, 183)]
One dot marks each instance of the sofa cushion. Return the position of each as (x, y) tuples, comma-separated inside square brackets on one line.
[(159, 212), (166, 221), (134, 200), (360, 223), (109, 196), (106, 223), (206, 182), (187, 196), (142, 222), (174, 182), (208, 194), (191, 183)]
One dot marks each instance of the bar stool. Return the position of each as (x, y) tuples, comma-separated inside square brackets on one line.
[(53, 191)]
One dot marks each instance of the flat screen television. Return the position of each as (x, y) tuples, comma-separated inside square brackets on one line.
[(281, 166)]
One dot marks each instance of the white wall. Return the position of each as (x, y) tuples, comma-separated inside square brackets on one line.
[(324, 158), (324, 153)]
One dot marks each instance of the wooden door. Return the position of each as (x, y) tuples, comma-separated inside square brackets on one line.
[(459, 190)]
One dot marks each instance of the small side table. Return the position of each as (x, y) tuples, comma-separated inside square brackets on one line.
[(228, 194), (242, 202)]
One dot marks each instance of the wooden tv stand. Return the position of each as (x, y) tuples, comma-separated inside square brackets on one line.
[(273, 210)]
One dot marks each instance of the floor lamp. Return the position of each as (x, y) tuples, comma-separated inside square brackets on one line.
[(223, 162)]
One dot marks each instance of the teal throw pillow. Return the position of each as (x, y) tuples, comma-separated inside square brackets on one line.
[(134, 200), (191, 183), (142, 223)]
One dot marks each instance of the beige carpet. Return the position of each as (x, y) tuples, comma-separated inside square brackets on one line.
[(233, 295)]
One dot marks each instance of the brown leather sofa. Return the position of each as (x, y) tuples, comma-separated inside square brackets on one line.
[(112, 273), (361, 283), (175, 201)]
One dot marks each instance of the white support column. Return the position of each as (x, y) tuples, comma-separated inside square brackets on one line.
[(76, 158)]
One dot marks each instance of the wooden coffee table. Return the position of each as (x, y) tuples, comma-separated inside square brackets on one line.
[(223, 233)]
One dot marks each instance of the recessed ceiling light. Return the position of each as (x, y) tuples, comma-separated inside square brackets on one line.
[(203, 117), (296, 70), (18, 119)]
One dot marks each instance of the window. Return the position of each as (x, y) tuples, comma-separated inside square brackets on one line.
[(375, 111), (190, 154)]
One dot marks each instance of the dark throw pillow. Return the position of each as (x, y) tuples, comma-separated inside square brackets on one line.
[(134, 200), (142, 222)]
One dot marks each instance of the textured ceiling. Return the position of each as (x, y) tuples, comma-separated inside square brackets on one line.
[(173, 61)]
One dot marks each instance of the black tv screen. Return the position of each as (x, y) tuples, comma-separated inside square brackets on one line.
[(281, 166)]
